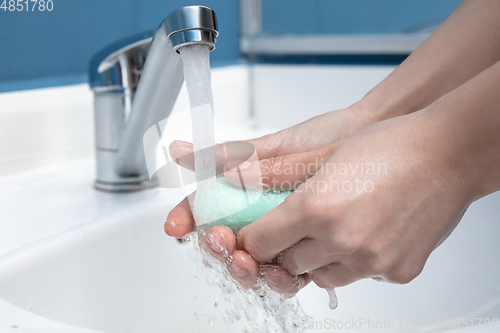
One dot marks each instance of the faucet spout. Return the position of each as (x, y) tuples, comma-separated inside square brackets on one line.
[(148, 94)]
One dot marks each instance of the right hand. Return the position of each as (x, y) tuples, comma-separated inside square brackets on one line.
[(305, 143)]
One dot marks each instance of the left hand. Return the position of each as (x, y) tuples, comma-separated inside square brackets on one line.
[(342, 226)]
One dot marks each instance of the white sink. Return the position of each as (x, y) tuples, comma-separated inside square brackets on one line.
[(123, 274), (73, 259)]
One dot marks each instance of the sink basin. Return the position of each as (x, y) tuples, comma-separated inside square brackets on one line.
[(120, 275), (123, 274), (73, 259)]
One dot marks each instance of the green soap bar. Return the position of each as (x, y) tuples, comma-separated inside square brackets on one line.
[(235, 207)]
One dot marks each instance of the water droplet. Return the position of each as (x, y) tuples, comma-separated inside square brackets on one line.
[(211, 320), (333, 298)]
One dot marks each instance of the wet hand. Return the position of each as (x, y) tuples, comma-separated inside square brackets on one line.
[(220, 242), (304, 143), (397, 198)]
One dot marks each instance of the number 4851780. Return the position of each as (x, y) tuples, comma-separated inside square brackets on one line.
[(27, 5)]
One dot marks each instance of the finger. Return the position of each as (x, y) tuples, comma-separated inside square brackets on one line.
[(334, 275), (183, 154), (244, 269), (180, 220), (280, 172), (275, 231), (266, 146), (219, 241), (303, 256), (283, 282), (237, 151), (309, 135)]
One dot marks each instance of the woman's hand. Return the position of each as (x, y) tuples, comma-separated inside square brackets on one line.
[(384, 200), (387, 233), (389, 194), (306, 143)]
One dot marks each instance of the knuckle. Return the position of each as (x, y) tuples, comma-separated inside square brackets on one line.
[(334, 275), (379, 264), (279, 165), (266, 170), (405, 274), (289, 262), (345, 242), (271, 170), (321, 280), (254, 248)]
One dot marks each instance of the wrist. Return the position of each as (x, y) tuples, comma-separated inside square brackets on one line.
[(381, 106), (466, 146)]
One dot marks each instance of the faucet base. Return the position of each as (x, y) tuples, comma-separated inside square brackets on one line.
[(124, 187)]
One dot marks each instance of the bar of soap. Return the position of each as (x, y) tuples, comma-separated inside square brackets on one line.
[(235, 207)]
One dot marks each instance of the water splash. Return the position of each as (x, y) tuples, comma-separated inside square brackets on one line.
[(257, 310), (253, 310)]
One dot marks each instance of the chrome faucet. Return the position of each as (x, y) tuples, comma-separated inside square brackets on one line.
[(135, 83)]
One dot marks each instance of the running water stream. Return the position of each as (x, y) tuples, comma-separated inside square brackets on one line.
[(259, 310), (197, 75)]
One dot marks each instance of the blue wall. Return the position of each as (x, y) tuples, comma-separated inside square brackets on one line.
[(353, 16), (40, 49)]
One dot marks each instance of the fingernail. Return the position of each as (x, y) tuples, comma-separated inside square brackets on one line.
[(183, 144), (239, 271), (272, 274), (242, 167), (215, 244)]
